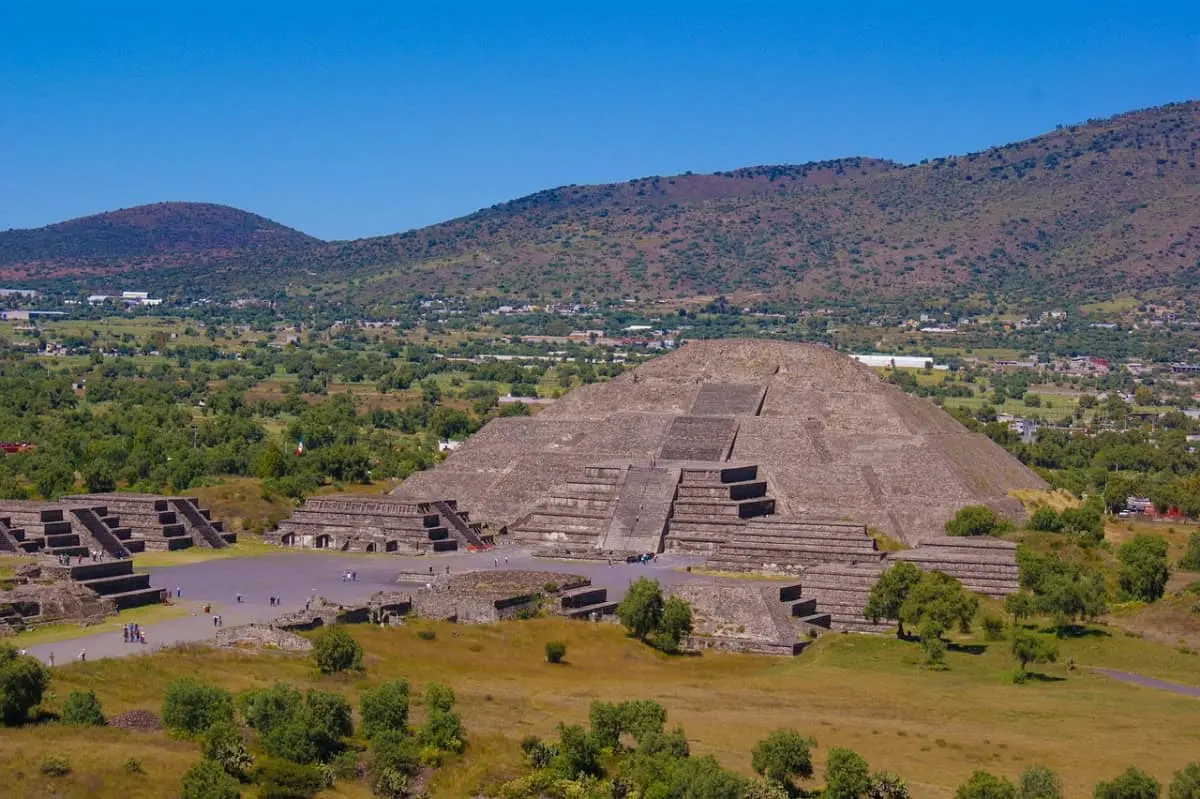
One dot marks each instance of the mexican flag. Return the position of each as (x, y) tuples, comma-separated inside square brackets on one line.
[(300, 447)]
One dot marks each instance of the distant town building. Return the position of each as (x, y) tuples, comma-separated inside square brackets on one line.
[(897, 361)]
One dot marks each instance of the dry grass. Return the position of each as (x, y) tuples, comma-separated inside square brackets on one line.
[(1034, 498), (858, 691)]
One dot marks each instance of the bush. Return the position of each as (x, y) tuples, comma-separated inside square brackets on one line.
[(1144, 569), (1186, 784), (641, 609), (846, 775), (555, 651), (394, 751), (1130, 784), (1046, 520), (993, 627), (134, 766), (55, 766), (443, 731), (976, 520), (223, 744), (279, 779), (335, 651), (23, 680), (982, 785), (268, 708), (207, 780), (190, 707), (426, 635), (1191, 556), (783, 756), (438, 697), (1039, 782), (537, 753), (887, 786), (385, 707), (82, 709)]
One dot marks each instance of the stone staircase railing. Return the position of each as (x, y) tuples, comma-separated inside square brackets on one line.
[(198, 523), (99, 531), (456, 523)]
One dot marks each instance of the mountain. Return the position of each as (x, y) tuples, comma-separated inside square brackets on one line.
[(155, 237), (1094, 209)]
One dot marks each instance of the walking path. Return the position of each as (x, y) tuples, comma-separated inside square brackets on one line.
[(1149, 682), (295, 577)]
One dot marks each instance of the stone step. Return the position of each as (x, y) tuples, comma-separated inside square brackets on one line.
[(585, 612), (743, 509), (817, 620), (749, 489), (137, 598), (583, 597), (117, 584), (803, 606)]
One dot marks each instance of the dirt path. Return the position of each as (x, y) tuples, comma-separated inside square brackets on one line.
[(1149, 682)]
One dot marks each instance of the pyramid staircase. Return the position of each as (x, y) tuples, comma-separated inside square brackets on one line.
[(713, 505), (782, 545)]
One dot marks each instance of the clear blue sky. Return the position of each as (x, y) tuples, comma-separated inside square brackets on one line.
[(361, 119)]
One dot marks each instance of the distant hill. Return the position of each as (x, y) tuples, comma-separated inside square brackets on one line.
[(1093, 209), (155, 236)]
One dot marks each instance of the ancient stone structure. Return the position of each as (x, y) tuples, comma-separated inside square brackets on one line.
[(741, 617), (262, 636), (47, 591), (365, 523), (681, 451), (982, 564), (58, 528), (161, 522)]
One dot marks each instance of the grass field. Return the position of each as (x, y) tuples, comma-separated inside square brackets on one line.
[(864, 692), (148, 614)]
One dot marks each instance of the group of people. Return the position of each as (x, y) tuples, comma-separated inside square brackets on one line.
[(275, 600), (133, 634), (349, 577)]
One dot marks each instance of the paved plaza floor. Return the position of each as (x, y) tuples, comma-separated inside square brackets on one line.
[(296, 576)]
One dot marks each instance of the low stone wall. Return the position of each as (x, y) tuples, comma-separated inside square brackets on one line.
[(262, 636)]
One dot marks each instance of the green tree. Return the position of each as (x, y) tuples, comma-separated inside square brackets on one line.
[(555, 651), (23, 681), (1129, 784), (1029, 648), (98, 478), (330, 711), (1191, 556), (223, 743), (82, 709), (887, 786), (439, 697), (889, 592), (1144, 570), (784, 756), (975, 520), (641, 609), (207, 780), (847, 775), (280, 779), (983, 785), (190, 707), (384, 707), (1186, 784), (941, 601), (674, 626), (1039, 782), (334, 650)]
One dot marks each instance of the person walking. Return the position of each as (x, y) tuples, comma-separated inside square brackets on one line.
[(51, 659), (82, 655)]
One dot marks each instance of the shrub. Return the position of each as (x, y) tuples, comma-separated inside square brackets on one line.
[(537, 753), (641, 609), (207, 780), (443, 731), (783, 756), (190, 707), (439, 697), (54, 766), (385, 707), (330, 712), (426, 635), (279, 779), (1039, 782), (335, 651), (578, 756), (993, 627), (1186, 784), (223, 744), (976, 520), (82, 709), (390, 784), (555, 651), (1046, 520), (1028, 648), (982, 785), (846, 775), (1144, 569), (395, 751), (1191, 556), (269, 708), (134, 766), (674, 625), (23, 680), (887, 786), (1130, 784)]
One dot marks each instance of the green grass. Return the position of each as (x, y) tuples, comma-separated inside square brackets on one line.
[(864, 692)]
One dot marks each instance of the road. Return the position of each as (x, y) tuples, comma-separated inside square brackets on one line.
[(296, 576)]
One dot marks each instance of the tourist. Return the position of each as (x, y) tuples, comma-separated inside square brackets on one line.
[(239, 599), (215, 617), (82, 652), (125, 633), (506, 560), (178, 592), (495, 561), (51, 658)]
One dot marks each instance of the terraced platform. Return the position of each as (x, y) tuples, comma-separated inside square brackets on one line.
[(160, 522), (64, 528), (377, 524), (783, 545), (982, 564)]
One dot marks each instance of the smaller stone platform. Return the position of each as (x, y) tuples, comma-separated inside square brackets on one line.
[(358, 523)]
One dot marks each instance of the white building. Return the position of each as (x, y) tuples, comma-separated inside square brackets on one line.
[(876, 360)]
